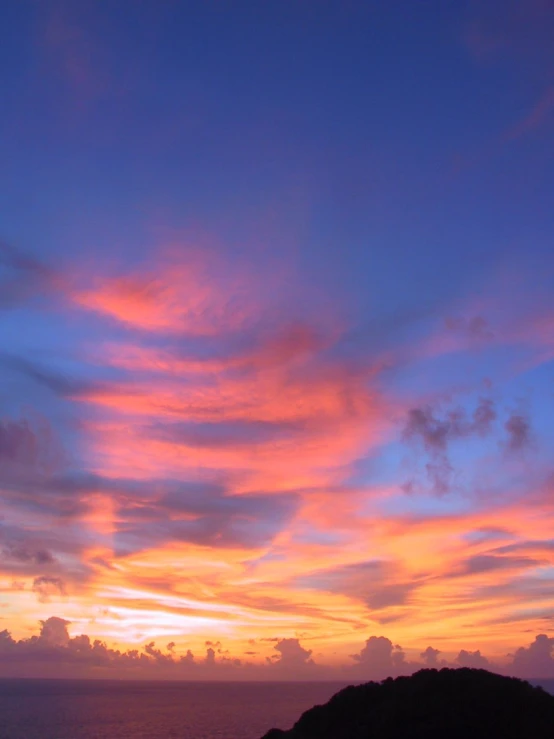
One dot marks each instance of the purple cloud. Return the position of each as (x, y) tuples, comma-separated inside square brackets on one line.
[(536, 660), (46, 587), (433, 433), (518, 429), (472, 659), (430, 657), (380, 657)]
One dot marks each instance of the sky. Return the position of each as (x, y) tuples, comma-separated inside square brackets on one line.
[(276, 337)]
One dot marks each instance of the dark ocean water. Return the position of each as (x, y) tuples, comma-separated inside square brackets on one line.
[(87, 709)]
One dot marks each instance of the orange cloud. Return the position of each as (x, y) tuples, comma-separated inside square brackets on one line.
[(219, 490), (193, 293)]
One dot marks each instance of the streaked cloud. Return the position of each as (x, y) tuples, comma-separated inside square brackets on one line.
[(210, 459)]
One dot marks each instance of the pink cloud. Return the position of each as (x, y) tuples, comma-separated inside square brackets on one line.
[(308, 412), (189, 291)]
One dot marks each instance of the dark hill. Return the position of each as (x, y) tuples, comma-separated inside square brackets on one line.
[(431, 704)]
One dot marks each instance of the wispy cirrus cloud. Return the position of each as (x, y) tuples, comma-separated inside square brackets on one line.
[(213, 429), (277, 392), (23, 277), (190, 294)]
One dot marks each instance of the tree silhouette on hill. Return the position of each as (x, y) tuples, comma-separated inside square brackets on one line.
[(431, 704)]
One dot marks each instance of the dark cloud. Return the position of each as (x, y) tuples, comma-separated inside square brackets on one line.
[(55, 550), (434, 433), (63, 385), (366, 581), (223, 433), (102, 562), (298, 609), (34, 491), (25, 556), (163, 498), (523, 587), (159, 656), (20, 443), (32, 497), (157, 510), (46, 587), (35, 540), (483, 416), (545, 545), (390, 595), (72, 484), (518, 429), (489, 563), (475, 328), (519, 615), (488, 533), (212, 518), (439, 473), (423, 425), (22, 277), (31, 453), (345, 578)]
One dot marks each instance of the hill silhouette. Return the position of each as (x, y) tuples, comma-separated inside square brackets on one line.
[(431, 704)]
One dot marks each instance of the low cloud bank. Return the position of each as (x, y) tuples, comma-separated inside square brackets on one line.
[(53, 652)]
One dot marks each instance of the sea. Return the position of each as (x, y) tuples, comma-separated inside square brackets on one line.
[(106, 709)]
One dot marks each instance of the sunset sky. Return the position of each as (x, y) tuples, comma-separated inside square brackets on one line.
[(277, 329)]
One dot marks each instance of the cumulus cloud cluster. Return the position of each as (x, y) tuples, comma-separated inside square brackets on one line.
[(378, 658), (79, 655)]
